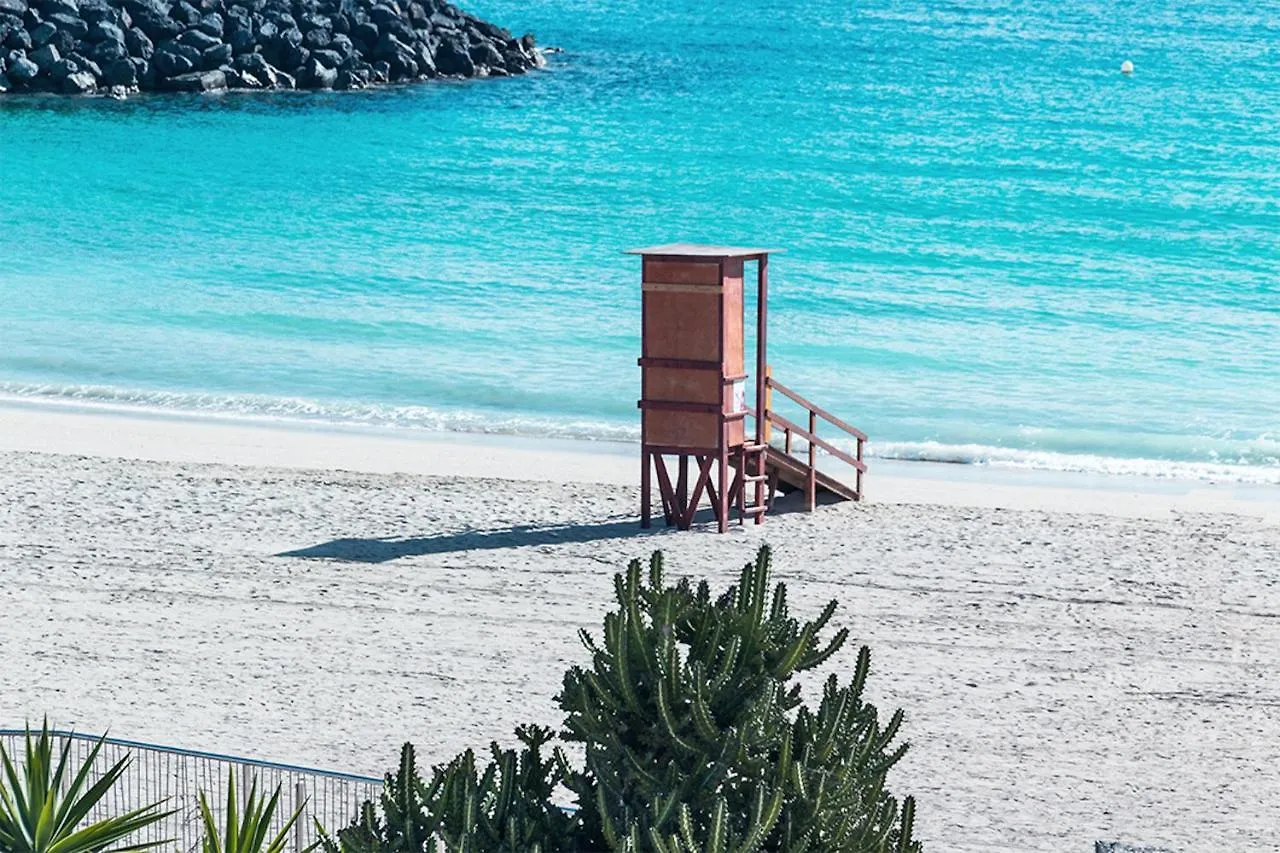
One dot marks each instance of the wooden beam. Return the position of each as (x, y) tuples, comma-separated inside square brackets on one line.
[(704, 474), (668, 494), (813, 439), (817, 410), (645, 485)]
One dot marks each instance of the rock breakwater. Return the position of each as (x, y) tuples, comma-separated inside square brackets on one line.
[(119, 47)]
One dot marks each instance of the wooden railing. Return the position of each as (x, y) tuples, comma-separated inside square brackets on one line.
[(792, 429)]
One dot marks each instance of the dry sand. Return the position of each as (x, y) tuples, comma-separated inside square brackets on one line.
[(1066, 677)]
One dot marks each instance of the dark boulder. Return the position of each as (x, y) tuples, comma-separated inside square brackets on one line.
[(80, 83), (309, 22), (327, 58), (242, 41), (94, 11), (514, 61), (62, 68), (22, 70), (343, 46), (453, 58), (169, 63), (213, 24), (401, 30), (42, 33), (86, 64), (237, 16), (59, 7), (382, 15), (445, 19), (216, 57), (106, 52), (70, 24), (146, 73), (366, 34), (352, 78), (256, 65), (46, 57), (18, 39), (120, 73), (191, 53), (485, 54), (242, 80), (198, 39), (426, 61), (316, 39), (391, 49), (158, 28), (185, 14), (293, 56), (198, 81), (138, 44), (63, 41), (153, 7), (317, 76), (491, 32), (106, 31)]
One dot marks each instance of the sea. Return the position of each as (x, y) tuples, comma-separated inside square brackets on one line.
[(1000, 250)]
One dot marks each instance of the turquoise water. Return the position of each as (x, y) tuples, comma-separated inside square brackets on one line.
[(1001, 249)]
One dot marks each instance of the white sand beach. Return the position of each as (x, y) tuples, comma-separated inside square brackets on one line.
[(1077, 660)]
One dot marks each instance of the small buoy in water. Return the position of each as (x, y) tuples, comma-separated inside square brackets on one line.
[(1126, 67)]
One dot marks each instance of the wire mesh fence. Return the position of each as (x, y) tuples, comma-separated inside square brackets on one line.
[(176, 777)]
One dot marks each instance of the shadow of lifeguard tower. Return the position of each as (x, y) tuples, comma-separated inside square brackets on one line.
[(694, 402)]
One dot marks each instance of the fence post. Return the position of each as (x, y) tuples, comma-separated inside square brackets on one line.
[(811, 483), (766, 405), (299, 805)]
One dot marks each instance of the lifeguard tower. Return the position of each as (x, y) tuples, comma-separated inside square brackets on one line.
[(694, 401)]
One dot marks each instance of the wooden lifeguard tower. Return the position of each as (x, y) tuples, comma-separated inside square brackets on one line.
[(693, 400)]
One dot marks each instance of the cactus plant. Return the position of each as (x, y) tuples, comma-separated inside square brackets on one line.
[(696, 736), (696, 739), (506, 807)]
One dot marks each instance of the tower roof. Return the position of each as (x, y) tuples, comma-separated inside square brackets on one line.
[(699, 250)]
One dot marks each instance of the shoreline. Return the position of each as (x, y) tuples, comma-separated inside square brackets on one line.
[(75, 429)]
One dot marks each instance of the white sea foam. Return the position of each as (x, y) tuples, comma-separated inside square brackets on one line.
[(1041, 460), (296, 410), (1262, 466)]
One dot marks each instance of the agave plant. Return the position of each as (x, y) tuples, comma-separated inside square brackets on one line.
[(42, 812), (247, 826)]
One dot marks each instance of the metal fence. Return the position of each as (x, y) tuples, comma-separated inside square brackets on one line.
[(178, 776)]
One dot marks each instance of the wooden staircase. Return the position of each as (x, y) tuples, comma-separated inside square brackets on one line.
[(765, 469), (787, 475)]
